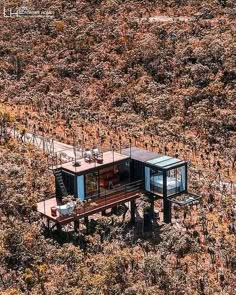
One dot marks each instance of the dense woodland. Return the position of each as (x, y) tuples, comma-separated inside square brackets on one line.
[(101, 71)]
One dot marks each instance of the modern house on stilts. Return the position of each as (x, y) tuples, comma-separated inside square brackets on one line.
[(105, 180)]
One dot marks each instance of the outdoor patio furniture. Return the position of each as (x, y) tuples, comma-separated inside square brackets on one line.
[(66, 209), (88, 157), (99, 160), (54, 211), (95, 152)]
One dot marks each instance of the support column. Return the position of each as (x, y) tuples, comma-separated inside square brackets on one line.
[(104, 213), (114, 210), (186, 177), (59, 227), (76, 226), (152, 206), (86, 222), (167, 211), (132, 210), (166, 202), (48, 223)]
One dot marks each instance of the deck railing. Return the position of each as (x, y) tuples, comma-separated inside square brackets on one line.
[(135, 186), (111, 198)]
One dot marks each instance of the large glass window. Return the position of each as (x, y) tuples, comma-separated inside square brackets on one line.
[(123, 171), (176, 180), (154, 181), (113, 176), (109, 177), (91, 184)]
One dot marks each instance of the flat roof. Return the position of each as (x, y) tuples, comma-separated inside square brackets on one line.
[(152, 158), (109, 158), (185, 199), (140, 154), (165, 162)]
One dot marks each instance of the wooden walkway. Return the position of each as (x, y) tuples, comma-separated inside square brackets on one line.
[(46, 144)]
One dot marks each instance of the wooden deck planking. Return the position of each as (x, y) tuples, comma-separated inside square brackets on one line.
[(101, 204)]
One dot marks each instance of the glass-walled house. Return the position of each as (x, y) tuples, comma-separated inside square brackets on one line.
[(164, 176), (131, 172)]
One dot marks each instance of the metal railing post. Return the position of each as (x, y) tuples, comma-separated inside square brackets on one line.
[(105, 196)]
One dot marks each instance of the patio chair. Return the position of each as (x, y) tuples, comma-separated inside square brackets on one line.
[(66, 209), (88, 157)]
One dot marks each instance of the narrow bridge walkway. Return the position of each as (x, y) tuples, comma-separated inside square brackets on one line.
[(46, 144)]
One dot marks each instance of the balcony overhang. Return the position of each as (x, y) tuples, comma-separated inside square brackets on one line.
[(184, 199)]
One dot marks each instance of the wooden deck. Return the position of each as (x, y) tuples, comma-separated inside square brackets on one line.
[(119, 197)]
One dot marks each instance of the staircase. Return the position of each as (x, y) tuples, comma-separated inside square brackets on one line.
[(60, 183)]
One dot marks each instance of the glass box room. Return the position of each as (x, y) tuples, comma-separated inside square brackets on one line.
[(165, 176)]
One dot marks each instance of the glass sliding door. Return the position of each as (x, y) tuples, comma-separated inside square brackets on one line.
[(154, 181), (176, 180), (123, 171), (91, 185)]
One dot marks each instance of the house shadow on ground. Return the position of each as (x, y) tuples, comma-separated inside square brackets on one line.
[(109, 229)]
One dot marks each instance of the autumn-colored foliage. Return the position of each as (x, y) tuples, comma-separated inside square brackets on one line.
[(101, 71)]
